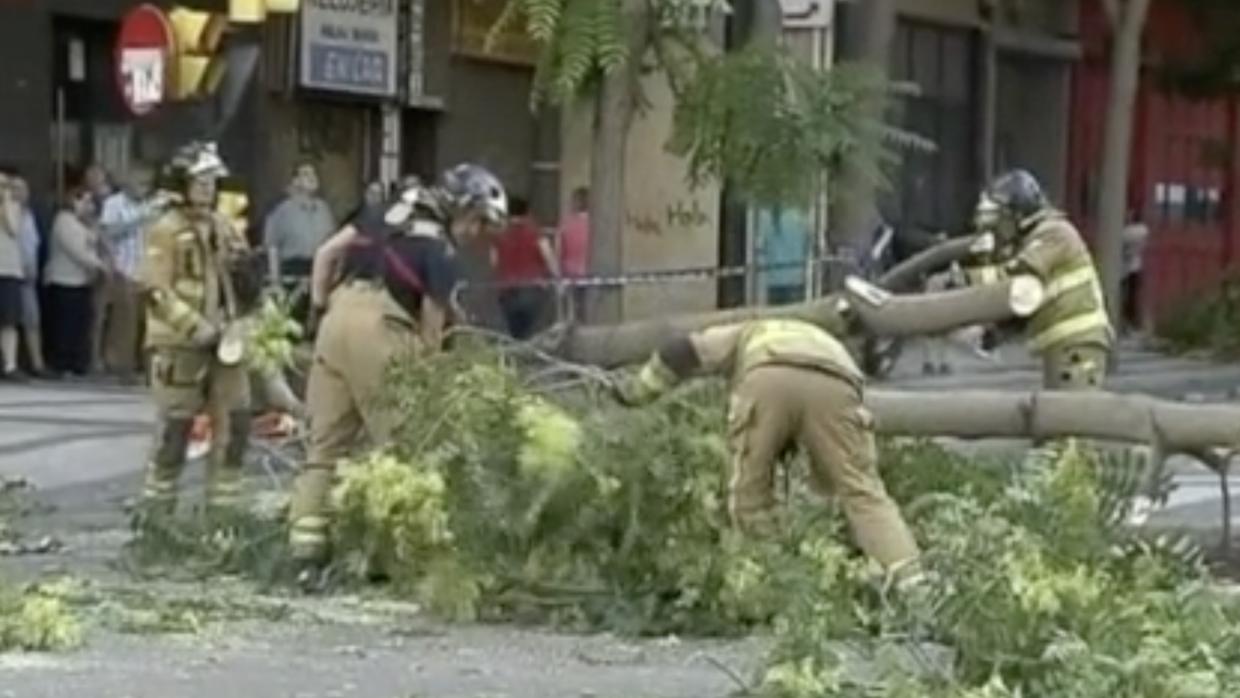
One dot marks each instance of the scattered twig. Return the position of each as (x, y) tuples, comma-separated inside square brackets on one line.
[(742, 684)]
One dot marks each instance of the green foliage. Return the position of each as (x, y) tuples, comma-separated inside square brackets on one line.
[(768, 123), (579, 39), (1207, 324), (1039, 592), (773, 125), (272, 337), (36, 619)]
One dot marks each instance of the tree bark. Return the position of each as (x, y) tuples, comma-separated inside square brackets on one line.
[(869, 42), (1170, 427), (614, 106), (616, 345), (1127, 18)]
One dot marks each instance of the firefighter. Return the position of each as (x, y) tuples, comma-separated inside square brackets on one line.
[(1070, 331), (190, 305), (792, 383), (394, 298)]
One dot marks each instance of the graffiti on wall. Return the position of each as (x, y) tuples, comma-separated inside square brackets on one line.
[(678, 215)]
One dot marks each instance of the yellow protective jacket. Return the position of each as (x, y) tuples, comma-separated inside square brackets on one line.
[(185, 277), (739, 348), (1073, 311)]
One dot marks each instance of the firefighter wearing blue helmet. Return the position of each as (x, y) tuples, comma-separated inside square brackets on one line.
[(394, 280), (1070, 330)]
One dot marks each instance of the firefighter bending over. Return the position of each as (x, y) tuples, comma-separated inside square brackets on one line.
[(397, 278), (792, 383)]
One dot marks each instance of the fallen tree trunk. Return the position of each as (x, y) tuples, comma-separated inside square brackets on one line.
[(1169, 427), (886, 315), (616, 345)]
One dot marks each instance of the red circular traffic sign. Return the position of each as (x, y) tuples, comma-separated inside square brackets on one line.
[(143, 49)]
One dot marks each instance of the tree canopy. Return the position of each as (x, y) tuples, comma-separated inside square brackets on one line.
[(765, 121)]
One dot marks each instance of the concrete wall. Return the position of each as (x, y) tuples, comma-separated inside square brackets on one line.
[(668, 225)]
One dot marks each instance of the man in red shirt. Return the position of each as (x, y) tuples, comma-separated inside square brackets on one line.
[(523, 262)]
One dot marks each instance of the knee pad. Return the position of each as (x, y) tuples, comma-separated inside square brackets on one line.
[(173, 439)]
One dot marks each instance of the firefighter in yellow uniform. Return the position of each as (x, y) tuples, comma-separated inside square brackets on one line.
[(393, 300), (190, 304), (1070, 331), (792, 383)]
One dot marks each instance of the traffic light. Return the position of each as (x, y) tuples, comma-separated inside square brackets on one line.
[(256, 11), (198, 66)]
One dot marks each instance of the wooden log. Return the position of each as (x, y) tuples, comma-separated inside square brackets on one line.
[(1170, 427), (886, 315)]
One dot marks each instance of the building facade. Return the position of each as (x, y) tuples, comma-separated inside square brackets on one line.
[(436, 98), (1184, 160)]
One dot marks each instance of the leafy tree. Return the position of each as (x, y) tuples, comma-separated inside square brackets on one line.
[(756, 117)]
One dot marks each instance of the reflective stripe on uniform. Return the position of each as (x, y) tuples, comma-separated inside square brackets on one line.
[(1094, 320), (988, 274), (1070, 280), (309, 532)]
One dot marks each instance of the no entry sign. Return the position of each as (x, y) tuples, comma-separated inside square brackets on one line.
[(143, 49)]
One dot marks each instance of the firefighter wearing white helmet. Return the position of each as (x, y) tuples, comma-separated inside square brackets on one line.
[(190, 302), (392, 297), (1070, 330)]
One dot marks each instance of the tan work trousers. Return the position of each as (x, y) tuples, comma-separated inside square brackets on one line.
[(358, 339), (1075, 367), (185, 382), (119, 324), (776, 406)]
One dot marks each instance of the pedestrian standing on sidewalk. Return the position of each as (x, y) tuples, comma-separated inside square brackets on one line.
[(1135, 235), (575, 250), (10, 274), (31, 241), (300, 224), (74, 267), (98, 181), (126, 215), (523, 261)]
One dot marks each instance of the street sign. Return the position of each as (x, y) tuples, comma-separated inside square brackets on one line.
[(142, 50), (350, 46)]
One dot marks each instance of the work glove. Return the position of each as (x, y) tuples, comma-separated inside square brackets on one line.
[(205, 336)]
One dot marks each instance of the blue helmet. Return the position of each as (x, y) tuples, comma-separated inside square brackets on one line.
[(1018, 192), (472, 189)]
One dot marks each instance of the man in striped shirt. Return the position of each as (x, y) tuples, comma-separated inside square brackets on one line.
[(126, 214)]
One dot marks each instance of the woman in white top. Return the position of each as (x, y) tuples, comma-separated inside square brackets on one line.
[(10, 274), (73, 267)]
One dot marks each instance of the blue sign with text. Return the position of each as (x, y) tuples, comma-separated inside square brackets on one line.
[(348, 68)]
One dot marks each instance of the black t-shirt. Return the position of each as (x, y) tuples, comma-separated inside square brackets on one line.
[(416, 266)]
